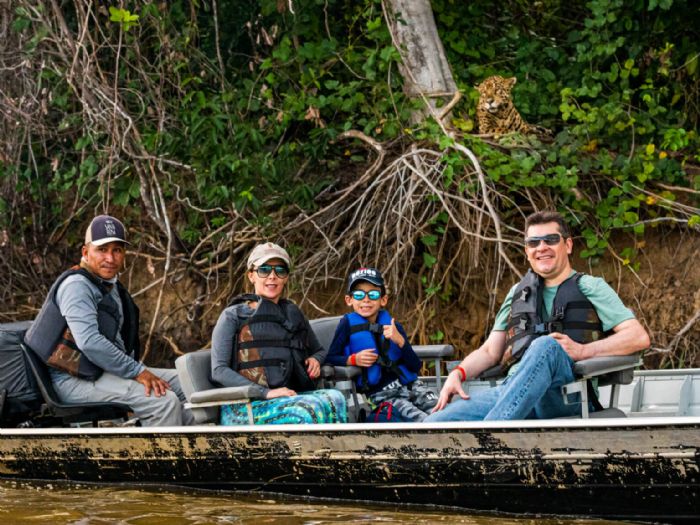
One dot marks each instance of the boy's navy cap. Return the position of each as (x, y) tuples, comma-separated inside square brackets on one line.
[(371, 275), (104, 229)]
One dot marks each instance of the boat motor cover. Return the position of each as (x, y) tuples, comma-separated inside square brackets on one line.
[(21, 394)]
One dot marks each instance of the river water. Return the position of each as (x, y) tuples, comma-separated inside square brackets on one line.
[(79, 504)]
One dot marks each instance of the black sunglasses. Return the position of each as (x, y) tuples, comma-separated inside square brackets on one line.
[(551, 239), (264, 270), (358, 295)]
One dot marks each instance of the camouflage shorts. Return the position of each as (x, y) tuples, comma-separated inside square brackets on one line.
[(414, 402)]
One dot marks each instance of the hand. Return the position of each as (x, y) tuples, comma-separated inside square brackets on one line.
[(452, 386), (152, 382), (576, 351), (364, 358), (280, 392), (393, 334), (313, 367)]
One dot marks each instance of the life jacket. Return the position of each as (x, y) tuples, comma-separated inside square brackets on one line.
[(364, 335), (572, 314), (270, 345), (50, 338)]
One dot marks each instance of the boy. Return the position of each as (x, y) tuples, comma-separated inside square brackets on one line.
[(369, 338)]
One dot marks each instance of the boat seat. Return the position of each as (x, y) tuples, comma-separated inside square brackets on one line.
[(607, 370), (203, 397), (341, 377), (66, 413)]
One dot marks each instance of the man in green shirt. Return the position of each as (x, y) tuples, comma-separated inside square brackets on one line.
[(551, 319)]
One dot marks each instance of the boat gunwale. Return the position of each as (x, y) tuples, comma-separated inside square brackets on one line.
[(457, 426)]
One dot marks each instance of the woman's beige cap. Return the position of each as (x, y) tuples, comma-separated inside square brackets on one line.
[(264, 252)]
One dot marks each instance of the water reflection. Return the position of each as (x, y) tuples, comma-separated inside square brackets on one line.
[(79, 504)]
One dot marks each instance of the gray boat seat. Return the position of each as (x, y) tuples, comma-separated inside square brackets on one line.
[(68, 413), (606, 370), (203, 397)]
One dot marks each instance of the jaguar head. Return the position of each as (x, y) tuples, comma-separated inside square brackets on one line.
[(494, 93)]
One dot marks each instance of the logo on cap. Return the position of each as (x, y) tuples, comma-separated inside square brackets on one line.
[(110, 228), (104, 229), (371, 275), (363, 272)]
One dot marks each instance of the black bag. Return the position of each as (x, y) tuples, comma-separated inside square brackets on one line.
[(19, 396)]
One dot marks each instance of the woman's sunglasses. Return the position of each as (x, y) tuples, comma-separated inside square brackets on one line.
[(264, 270), (551, 239), (358, 295)]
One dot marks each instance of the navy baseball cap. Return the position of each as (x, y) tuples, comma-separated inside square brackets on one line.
[(370, 275), (104, 229)]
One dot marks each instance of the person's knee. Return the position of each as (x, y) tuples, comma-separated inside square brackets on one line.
[(166, 410), (335, 396), (543, 347), (308, 411), (543, 344)]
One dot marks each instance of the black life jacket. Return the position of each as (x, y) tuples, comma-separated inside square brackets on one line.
[(270, 345), (49, 336), (572, 314)]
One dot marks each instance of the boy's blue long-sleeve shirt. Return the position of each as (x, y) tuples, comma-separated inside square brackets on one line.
[(336, 354)]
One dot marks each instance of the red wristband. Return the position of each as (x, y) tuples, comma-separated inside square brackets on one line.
[(353, 359), (462, 372)]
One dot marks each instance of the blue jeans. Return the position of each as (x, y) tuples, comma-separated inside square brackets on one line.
[(532, 392)]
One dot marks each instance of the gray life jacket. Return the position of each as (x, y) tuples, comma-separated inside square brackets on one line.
[(572, 314), (270, 345), (50, 338)]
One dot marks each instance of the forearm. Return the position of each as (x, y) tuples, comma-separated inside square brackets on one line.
[(628, 337), (336, 353), (487, 355), (103, 353), (408, 355), (314, 349)]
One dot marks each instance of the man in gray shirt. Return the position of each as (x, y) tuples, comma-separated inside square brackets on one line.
[(87, 332)]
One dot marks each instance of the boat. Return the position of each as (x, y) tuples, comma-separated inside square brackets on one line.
[(643, 464)]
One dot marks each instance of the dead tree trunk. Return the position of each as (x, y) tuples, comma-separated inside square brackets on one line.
[(424, 66)]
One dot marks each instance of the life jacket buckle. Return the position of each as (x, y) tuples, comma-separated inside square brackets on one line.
[(558, 314), (541, 329), (376, 328), (555, 326)]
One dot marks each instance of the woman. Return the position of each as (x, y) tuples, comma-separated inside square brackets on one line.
[(264, 340)]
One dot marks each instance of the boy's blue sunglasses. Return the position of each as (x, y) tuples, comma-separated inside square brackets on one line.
[(264, 270), (358, 295)]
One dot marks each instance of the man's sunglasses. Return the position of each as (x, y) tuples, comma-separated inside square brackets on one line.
[(551, 239), (264, 270), (358, 295)]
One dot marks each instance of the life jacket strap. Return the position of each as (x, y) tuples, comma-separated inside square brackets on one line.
[(294, 344), (374, 328), (260, 362), (269, 318)]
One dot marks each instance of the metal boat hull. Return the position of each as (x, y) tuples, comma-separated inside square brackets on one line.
[(642, 468)]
